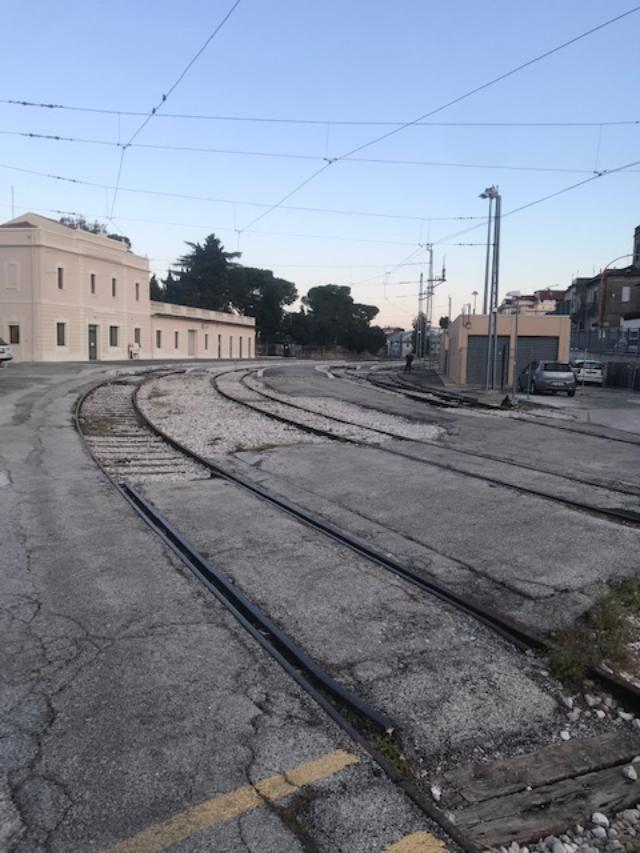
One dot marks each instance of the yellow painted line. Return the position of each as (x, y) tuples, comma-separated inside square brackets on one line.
[(225, 807), (417, 842)]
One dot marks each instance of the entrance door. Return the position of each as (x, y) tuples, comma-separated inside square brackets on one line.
[(191, 342), (93, 343)]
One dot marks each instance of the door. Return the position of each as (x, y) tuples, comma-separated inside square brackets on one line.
[(93, 343), (477, 359), (191, 342)]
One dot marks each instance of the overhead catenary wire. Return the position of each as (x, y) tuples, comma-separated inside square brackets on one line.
[(318, 121), (190, 197), (167, 94), (292, 155), (468, 94)]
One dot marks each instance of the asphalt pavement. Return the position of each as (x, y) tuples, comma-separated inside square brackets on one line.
[(136, 714)]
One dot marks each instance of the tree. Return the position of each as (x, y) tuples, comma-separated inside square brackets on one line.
[(156, 291), (79, 222), (203, 276), (122, 238), (259, 293), (330, 317)]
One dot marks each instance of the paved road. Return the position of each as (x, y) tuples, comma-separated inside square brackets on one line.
[(136, 714)]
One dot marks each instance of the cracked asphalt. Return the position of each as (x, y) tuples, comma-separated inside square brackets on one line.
[(127, 693)]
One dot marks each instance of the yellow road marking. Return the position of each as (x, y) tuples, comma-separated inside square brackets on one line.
[(225, 807), (417, 842)]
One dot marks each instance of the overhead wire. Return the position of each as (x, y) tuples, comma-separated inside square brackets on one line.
[(212, 200), (475, 90), (167, 94), (290, 155), (322, 122)]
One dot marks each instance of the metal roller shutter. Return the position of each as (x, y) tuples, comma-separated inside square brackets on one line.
[(477, 359), (535, 348)]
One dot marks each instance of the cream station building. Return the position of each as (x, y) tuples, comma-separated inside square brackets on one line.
[(69, 295)]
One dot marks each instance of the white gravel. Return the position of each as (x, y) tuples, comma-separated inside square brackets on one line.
[(187, 408), (368, 418)]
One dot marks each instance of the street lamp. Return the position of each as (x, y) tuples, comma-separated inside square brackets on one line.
[(491, 284), (474, 293)]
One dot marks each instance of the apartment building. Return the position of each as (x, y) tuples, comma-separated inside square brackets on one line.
[(70, 295)]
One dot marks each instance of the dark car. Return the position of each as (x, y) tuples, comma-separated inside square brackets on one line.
[(551, 376)]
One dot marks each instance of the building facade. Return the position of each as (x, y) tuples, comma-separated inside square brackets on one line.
[(69, 295), (604, 301), (463, 356)]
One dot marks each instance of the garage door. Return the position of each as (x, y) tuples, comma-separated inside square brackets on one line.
[(477, 359), (536, 348)]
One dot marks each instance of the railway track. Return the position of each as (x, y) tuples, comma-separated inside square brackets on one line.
[(124, 420), (448, 399), (119, 439), (618, 515), (582, 481)]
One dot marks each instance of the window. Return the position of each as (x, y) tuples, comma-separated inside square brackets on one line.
[(626, 293), (240, 346), (158, 339), (206, 341), (61, 334), (92, 282), (137, 336), (137, 291), (219, 346), (114, 286), (248, 347), (60, 278), (113, 336), (230, 346), (176, 339), (14, 334)]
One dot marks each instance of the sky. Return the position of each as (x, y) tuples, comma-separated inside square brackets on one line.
[(339, 66)]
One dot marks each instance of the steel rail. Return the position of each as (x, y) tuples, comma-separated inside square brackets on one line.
[(518, 634), (290, 656), (617, 516), (448, 396), (136, 501), (460, 451)]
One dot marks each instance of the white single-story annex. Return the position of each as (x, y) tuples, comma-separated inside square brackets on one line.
[(70, 295)]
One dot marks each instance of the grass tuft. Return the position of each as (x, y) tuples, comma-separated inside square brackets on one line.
[(602, 634)]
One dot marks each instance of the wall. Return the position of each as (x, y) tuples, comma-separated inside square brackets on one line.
[(227, 335), (528, 325), (33, 248), (32, 254)]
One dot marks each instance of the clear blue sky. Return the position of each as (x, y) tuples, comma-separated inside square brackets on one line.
[(334, 61)]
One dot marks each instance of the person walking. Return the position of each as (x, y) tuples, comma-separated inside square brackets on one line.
[(408, 359)]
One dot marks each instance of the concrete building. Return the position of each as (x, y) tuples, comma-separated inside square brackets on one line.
[(603, 301), (463, 356), (70, 295)]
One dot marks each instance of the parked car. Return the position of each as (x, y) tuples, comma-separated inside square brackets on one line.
[(588, 371), (5, 353), (552, 376)]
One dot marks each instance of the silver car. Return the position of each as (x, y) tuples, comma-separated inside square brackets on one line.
[(5, 353), (552, 376)]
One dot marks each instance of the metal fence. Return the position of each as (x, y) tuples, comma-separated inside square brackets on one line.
[(623, 374), (619, 342)]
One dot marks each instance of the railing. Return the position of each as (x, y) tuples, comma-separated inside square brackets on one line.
[(623, 342)]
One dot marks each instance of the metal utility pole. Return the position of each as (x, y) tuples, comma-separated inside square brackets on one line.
[(420, 319), (490, 305), (485, 298), (432, 283)]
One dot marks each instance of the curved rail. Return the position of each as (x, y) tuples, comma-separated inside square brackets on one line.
[(515, 632), (618, 516)]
